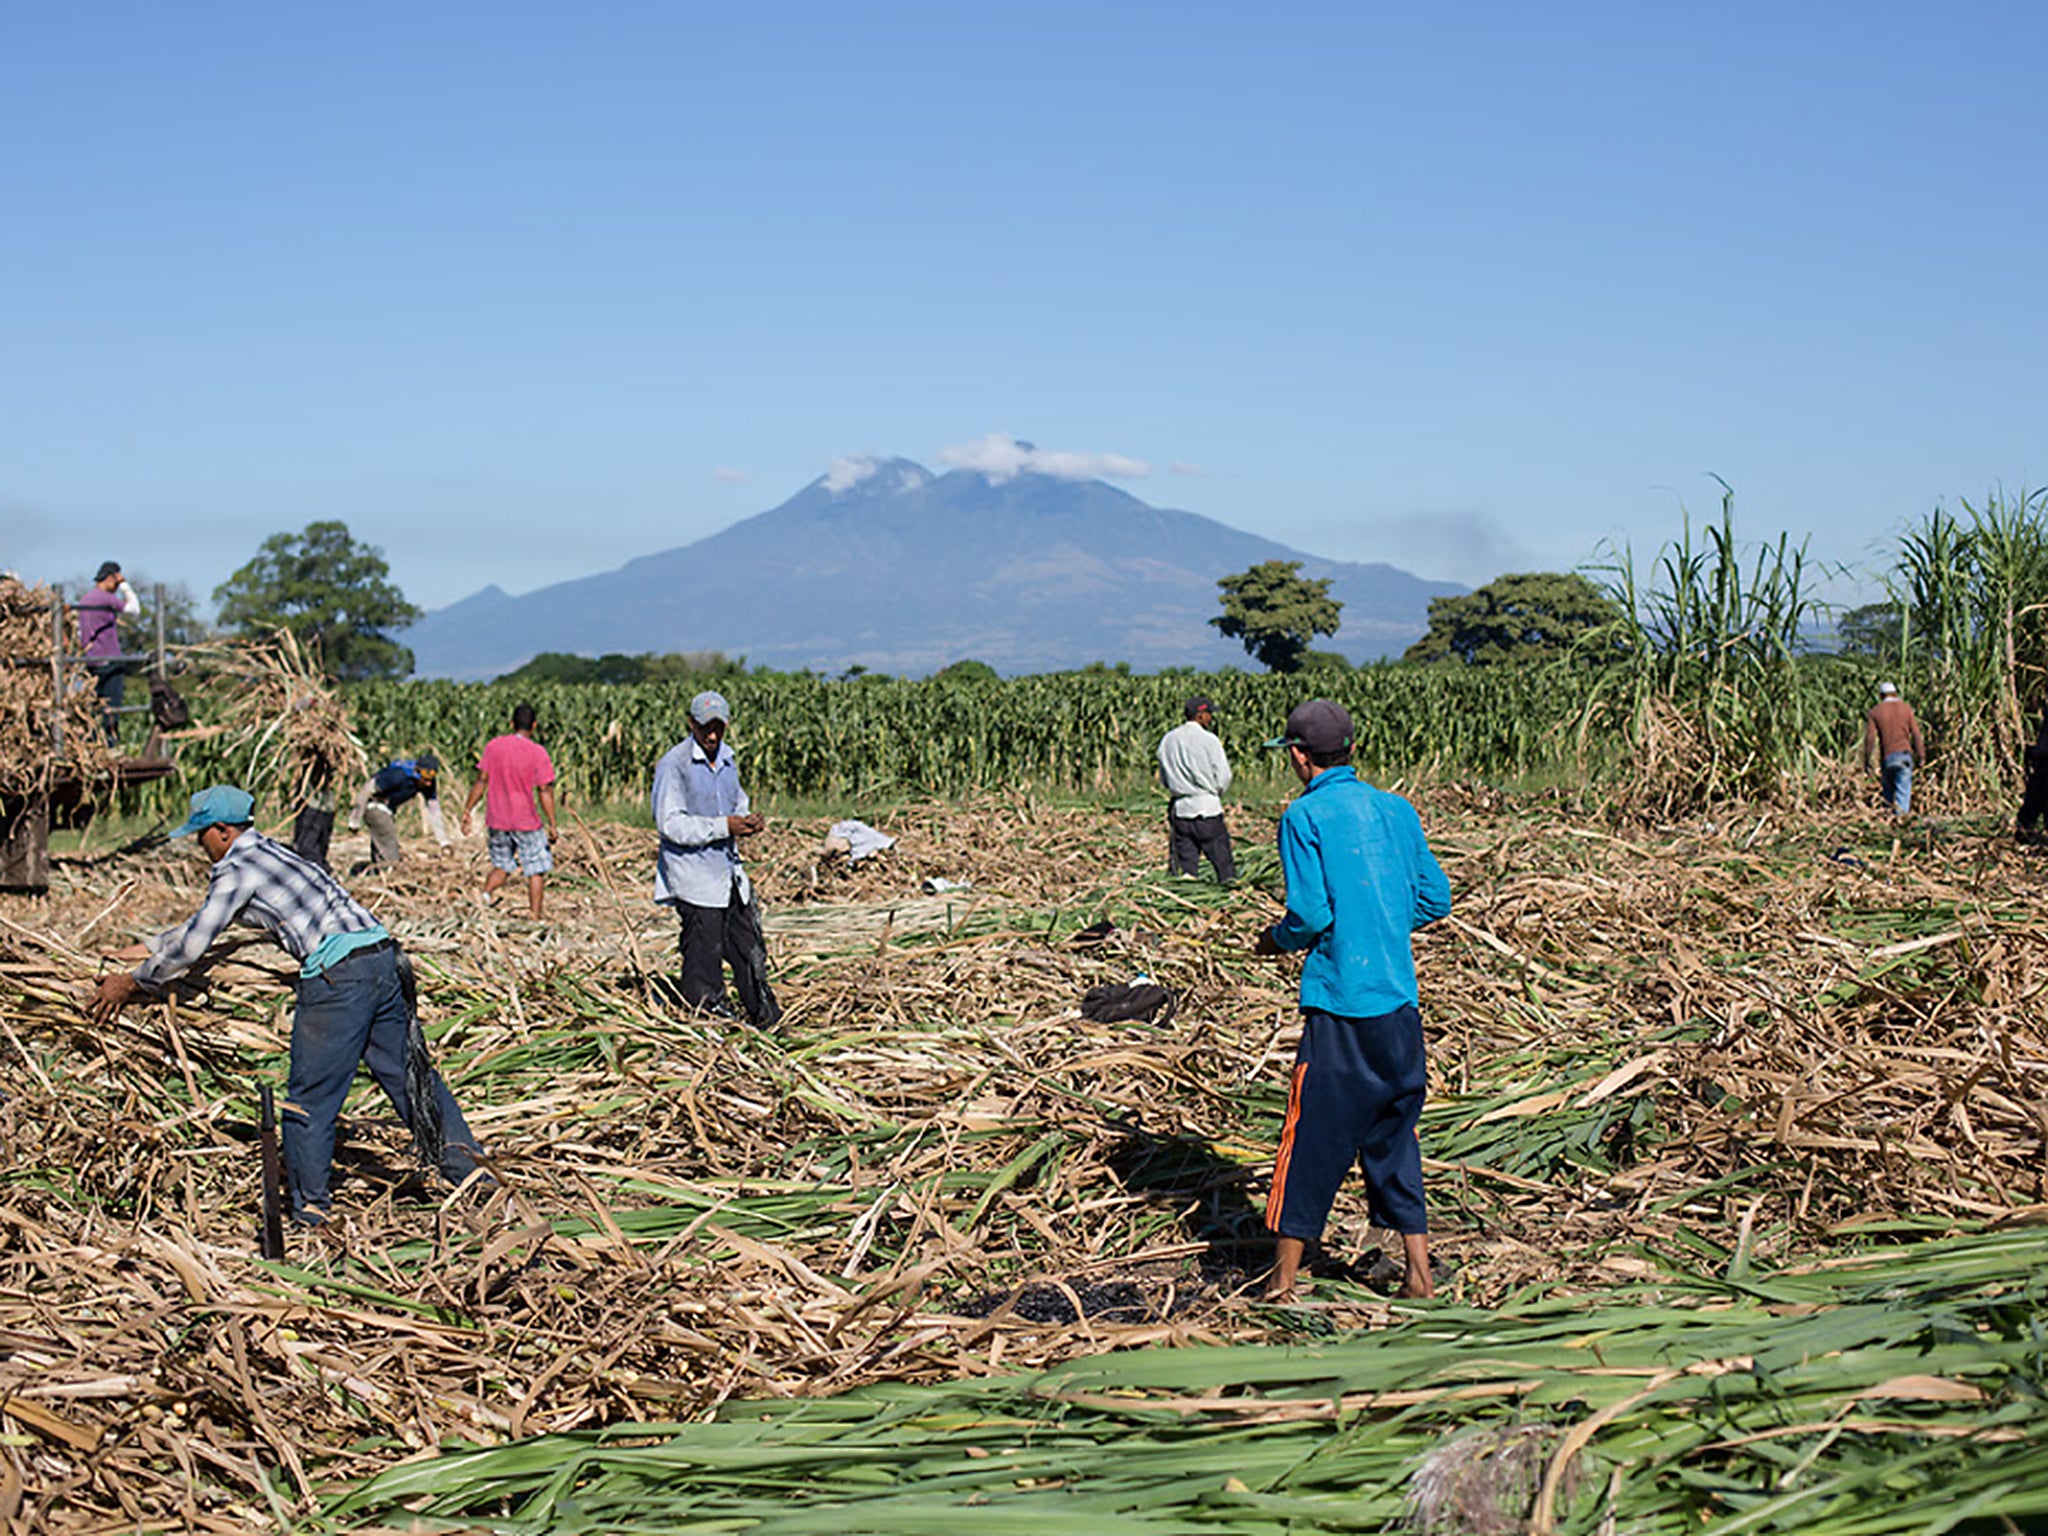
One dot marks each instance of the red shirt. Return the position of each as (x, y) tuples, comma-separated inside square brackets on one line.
[(514, 767), (1891, 727)]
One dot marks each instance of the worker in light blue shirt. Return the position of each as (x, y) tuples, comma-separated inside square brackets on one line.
[(701, 813), (1360, 880)]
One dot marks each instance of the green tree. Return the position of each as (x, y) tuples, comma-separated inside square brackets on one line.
[(967, 671), (184, 624), (1276, 612), (1876, 630), (1513, 619), (329, 591)]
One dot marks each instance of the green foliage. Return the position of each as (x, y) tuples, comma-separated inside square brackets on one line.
[(966, 672), (1710, 695), (184, 624), (1975, 599), (1276, 612), (1874, 630), (332, 593), (1514, 619), (838, 743)]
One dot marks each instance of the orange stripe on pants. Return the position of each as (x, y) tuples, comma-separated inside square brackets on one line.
[(1276, 1198)]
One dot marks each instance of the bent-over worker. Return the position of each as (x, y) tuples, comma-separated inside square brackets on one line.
[(354, 991)]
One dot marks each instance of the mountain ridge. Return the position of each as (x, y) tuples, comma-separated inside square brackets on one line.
[(886, 566)]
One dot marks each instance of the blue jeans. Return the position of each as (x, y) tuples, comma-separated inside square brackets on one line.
[(1898, 781), (354, 1011)]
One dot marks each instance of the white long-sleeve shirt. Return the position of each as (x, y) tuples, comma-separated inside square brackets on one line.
[(1194, 770)]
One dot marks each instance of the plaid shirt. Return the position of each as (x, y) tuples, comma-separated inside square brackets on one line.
[(259, 884)]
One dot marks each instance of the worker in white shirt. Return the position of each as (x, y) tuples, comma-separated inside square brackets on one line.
[(1196, 773)]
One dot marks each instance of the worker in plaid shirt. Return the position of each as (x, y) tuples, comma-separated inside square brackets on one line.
[(355, 996)]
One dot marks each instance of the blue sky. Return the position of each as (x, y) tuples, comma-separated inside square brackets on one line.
[(522, 291)]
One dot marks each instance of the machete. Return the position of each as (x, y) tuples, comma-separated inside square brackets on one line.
[(273, 1178)]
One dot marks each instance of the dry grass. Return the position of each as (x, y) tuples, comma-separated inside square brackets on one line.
[(29, 764), (1706, 1044)]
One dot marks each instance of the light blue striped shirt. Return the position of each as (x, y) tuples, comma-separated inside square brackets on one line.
[(699, 861)]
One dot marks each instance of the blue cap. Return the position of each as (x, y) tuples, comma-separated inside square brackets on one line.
[(222, 805), (709, 706)]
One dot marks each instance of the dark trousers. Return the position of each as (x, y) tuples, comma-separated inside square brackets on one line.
[(1356, 1097), (111, 674), (1189, 836), (729, 935), (312, 834), (354, 1011), (2034, 802)]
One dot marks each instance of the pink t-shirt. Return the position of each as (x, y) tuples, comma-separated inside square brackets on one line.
[(516, 766)]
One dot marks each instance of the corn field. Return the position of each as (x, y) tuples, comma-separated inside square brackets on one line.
[(881, 739)]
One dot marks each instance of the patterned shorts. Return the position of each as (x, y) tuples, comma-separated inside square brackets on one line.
[(519, 853)]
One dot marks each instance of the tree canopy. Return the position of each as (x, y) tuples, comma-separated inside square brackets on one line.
[(1876, 630), (1513, 619), (618, 667), (329, 591), (1276, 612)]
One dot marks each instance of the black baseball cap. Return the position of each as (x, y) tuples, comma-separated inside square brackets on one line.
[(1319, 727)]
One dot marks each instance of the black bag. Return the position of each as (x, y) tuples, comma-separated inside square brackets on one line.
[(1118, 1001), (166, 708)]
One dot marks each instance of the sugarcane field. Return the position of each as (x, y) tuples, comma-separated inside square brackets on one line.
[(1735, 1140)]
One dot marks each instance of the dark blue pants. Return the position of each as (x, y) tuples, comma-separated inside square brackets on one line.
[(1356, 1097), (355, 1011)]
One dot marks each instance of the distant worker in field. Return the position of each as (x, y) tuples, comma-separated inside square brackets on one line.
[(701, 813), (2034, 800), (101, 607), (1360, 880), (1196, 773), (1891, 741), (390, 787), (512, 773), (354, 997)]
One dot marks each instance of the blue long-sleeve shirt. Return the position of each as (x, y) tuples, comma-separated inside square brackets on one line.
[(1360, 880)]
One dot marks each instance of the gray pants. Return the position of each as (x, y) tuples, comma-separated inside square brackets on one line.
[(383, 829)]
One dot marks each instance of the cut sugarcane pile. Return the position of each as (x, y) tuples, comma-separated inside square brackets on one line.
[(30, 756)]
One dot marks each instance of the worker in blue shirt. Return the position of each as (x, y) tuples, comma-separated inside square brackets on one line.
[(387, 789), (1360, 879)]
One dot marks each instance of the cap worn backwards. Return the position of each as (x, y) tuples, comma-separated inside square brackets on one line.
[(1321, 728)]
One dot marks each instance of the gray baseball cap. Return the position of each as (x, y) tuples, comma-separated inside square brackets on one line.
[(709, 706)]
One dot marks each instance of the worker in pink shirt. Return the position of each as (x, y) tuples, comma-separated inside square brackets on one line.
[(512, 773)]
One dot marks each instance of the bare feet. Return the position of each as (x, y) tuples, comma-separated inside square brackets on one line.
[(1418, 1283), (1287, 1256)]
